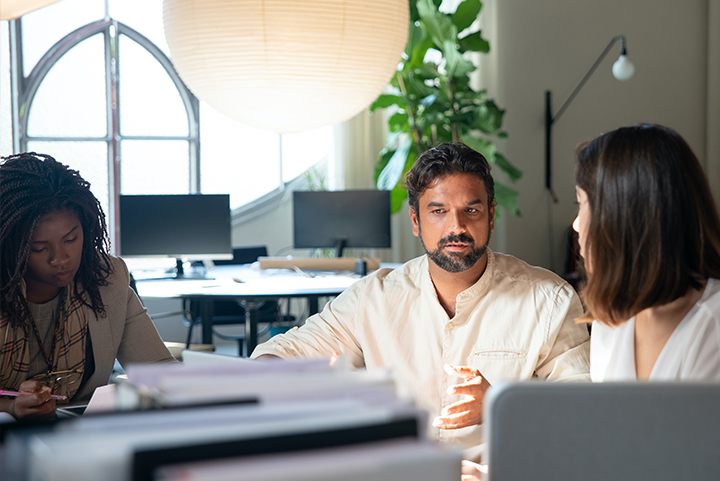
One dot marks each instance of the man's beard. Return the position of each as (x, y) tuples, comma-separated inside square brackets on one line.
[(455, 262)]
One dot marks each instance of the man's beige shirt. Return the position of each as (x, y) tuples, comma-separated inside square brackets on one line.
[(517, 322)]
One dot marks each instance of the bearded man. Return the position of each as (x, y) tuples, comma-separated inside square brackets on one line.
[(460, 311)]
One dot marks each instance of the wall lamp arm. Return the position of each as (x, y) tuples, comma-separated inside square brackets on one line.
[(550, 119)]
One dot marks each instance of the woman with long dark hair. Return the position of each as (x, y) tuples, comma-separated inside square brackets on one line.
[(66, 308), (649, 234)]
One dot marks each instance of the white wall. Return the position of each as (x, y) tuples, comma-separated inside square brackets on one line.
[(551, 45)]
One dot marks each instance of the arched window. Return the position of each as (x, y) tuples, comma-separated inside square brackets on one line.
[(95, 88)]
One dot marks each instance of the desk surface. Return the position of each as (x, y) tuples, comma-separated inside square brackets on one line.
[(250, 285), (255, 283)]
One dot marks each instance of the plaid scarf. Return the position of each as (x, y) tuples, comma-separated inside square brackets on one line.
[(70, 344)]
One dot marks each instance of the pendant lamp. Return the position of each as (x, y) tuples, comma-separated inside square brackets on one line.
[(10, 9), (286, 65)]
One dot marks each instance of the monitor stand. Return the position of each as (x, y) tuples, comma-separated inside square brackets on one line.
[(339, 246), (181, 275)]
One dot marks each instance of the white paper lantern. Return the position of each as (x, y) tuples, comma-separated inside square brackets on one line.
[(286, 65), (10, 9)]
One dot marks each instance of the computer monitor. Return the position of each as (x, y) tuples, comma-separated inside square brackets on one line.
[(340, 219), (192, 226)]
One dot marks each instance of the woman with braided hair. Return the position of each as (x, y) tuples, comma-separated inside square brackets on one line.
[(66, 308)]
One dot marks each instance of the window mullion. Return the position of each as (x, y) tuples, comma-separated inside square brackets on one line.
[(113, 122), (17, 81)]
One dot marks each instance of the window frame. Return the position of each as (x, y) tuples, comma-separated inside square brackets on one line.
[(25, 88)]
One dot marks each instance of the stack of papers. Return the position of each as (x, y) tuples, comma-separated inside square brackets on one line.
[(221, 418)]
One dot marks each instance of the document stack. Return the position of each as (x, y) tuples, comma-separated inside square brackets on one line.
[(238, 420)]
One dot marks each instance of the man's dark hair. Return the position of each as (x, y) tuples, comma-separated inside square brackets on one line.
[(654, 231), (31, 186), (446, 159)]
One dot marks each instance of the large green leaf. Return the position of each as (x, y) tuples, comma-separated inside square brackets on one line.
[(507, 198), (382, 162), (417, 45), (386, 154), (414, 16), (483, 146), (462, 118), (465, 14), (437, 24), (416, 36), (390, 175), (397, 196), (418, 88), (488, 117), (425, 71), (474, 43), (455, 65), (512, 172), (386, 100), (399, 193), (398, 122)]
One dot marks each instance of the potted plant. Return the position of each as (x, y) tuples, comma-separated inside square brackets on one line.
[(433, 101)]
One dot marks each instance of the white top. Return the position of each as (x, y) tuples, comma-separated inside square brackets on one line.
[(517, 322), (692, 352)]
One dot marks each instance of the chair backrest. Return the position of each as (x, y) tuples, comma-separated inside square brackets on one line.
[(584, 431)]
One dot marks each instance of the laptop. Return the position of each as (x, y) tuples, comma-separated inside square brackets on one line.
[(537, 431)]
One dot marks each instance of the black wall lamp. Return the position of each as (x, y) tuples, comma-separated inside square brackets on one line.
[(622, 70)]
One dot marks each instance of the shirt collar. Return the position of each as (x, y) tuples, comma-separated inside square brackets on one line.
[(480, 288)]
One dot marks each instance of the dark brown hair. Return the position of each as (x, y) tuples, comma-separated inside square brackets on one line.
[(443, 160), (32, 185), (653, 231)]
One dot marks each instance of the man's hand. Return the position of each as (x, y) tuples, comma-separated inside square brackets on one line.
[(37, 405), (468, 412), (473, 471)]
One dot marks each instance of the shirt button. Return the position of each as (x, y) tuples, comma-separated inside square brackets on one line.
[(450, 326)]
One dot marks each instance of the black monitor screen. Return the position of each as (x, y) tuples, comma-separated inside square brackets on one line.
[(190, 226), (350, 218)]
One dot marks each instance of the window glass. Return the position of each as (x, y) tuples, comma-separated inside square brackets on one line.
[(44, 27), (71, 100), (149, 102), (303, 150), (237, 159), (88, 158), (144, 16), (154, 167)]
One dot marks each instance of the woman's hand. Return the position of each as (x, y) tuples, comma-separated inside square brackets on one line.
[(38, 405)]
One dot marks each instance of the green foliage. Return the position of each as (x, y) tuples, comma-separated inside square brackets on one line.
[(315, 179), (433, 101)]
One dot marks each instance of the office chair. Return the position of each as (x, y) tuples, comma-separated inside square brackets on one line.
[(231, 312), (175, 348)]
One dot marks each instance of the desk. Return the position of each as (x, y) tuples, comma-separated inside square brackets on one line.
[(256, 286)]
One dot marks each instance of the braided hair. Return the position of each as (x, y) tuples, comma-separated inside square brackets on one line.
[(31, 186)]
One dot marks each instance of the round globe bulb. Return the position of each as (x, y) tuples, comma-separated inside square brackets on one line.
[(623, 69)]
